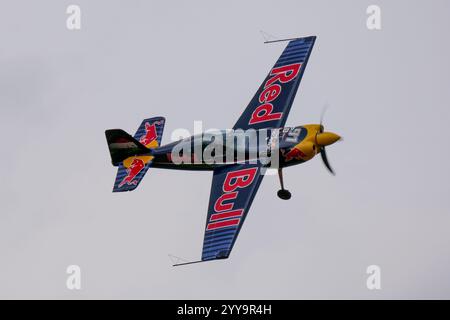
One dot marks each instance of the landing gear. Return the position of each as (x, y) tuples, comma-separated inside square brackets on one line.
[(283, 193)]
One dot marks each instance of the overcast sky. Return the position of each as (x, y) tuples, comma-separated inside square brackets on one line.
[(388, 205)]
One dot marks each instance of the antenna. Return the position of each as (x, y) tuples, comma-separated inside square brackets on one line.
[(280, 40)]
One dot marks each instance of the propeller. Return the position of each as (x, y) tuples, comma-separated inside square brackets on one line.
[(322, 115), (323, 153)]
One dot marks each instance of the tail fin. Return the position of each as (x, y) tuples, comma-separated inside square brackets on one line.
[(121, 146), (150, 132), (133, 154)]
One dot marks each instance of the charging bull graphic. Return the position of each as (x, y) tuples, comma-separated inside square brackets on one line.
[(136, 166), (150, 134)]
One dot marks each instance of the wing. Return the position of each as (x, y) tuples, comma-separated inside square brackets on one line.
[(270, 106), (232, 192)]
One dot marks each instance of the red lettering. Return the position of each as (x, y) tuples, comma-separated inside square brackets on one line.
[(219, 206), (228, 214), (239, 179), (264, 113), (222, 224), (284, 74), (270, 93)]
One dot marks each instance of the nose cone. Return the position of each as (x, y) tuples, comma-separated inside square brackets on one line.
[(327, 138)]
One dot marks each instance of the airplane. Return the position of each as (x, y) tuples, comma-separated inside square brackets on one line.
[(235, 180)]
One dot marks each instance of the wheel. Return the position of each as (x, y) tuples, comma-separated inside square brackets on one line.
[(284, 194)]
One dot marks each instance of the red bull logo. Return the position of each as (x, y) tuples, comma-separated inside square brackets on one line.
[(150, 136), (136, 166), (294, 153)]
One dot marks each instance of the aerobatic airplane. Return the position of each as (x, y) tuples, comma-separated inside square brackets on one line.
[(235, 182)]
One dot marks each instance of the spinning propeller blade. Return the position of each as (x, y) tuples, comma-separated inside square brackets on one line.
[(323, 153)]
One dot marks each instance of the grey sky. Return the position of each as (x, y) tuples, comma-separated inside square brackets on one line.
[(388, 93)]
